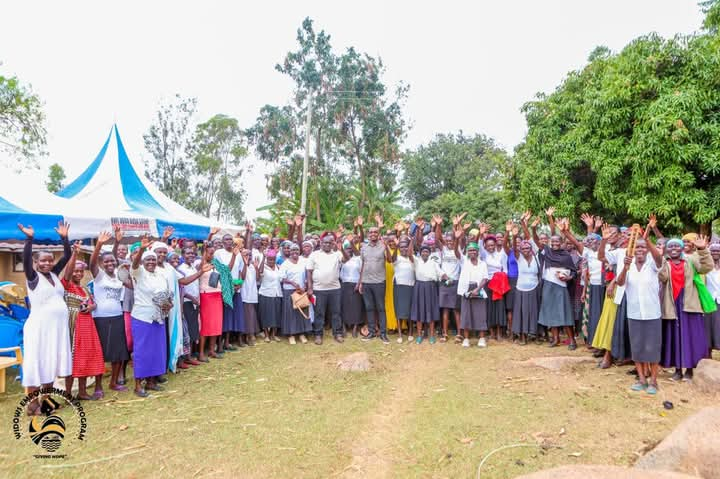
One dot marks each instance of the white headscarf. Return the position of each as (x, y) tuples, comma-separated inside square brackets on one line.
[(159, 245), (148, 254)]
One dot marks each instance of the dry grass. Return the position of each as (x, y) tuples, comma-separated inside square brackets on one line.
[(422, 411)]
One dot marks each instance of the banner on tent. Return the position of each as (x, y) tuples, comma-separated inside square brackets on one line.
[(134, 226)]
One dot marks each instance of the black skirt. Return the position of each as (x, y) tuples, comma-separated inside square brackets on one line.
[(352, 304), (473, 314), (526, 309), (292, 321), (621, 347), (597, 297), (510, 295), (448, 297), (402, 297), (555, 308), (425, 306), (270, 311), (111, 332), (712, 329), (496, 314), (190, 312)]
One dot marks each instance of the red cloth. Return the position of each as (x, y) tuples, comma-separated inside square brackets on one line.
[(499, 285), (211, 314), (677, 276), (87, 351)]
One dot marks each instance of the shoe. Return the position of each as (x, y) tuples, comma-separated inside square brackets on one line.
[(230, 347), (432, 339), (384, 339), (276, 338), (418, 340), (466, 343), (318, 340), (482, 343), (291, 340), (677, 376), (121, 381), (369, 337), (155, 387), (267, 339), (651, 389), (399, 339), (141, 393), (183, 365), (410, 338), (119, 388), (572, 346), (688, 376), (303, 339), (161, 379), (638, 386), (339, 339), (193, 361)]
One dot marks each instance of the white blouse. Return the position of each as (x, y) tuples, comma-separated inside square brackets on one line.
[(713, 284), (495, 262), (295, 272), (108, 292), (350, 270), (527, 274), (594, 266), (450, 263), (427, 270), (404, 271), (147, 285), (471, 273), (643, 291), (270, 286), (249, 289)]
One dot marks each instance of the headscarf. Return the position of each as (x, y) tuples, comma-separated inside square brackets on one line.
[(490, 237), (676, 241), (286, 243), (309, 242), (294, 246), (473, 245), (474, 232), (159, 245), (595, 236), (148, 254), (80, 263), (256, 236), (271, 253), (135, 246), (327, 233), (559, 259), (689, 237), (425, 246)]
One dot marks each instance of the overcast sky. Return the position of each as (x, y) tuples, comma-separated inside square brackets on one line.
[(470, 65)]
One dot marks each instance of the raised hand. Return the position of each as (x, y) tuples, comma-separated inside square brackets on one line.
[(290, 221), (508, 226), (341, 230), (62, 229), (526, 216), (103, 237), (599, 222), (605, 231), (248, 226), (27, 230), (118, 233), (299, 218), (214, 230), (167, 232), (145, 242), (588, 220), (420, 222), (550, 211), (206, 267), (359, 221), (563, 224), (483, 228), (652, 221), (536, 222), (76, 247), (437, 220), (701, 242), (467, 226), (458, 233), (515, 230), (379, 220), (174, 243)]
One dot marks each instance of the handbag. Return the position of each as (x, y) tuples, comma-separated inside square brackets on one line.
[(300, 301), (213, 279), (706, 300)]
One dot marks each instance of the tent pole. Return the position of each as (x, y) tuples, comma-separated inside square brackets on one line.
[(306, 160)]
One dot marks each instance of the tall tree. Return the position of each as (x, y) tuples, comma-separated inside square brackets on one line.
[(56, 176), (631, 133), (22, 130), (458, 172), (168, 140), (218, 152)]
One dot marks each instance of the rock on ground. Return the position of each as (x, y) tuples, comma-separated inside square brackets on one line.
[(556, 363), (692, 447), (602, 472), (355, 362), (706, 377)]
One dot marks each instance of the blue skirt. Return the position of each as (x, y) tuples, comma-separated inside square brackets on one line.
[(234, 318), (149, 349)]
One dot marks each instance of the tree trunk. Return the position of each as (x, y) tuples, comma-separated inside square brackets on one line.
[(318, 164)]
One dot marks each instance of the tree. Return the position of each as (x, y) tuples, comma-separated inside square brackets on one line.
[(218, 152), (169, 140), (22, 131), (630, 134), (357, 126), (457, 173), (56, 176)]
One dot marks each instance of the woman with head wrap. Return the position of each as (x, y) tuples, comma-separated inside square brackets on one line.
[(450, 262), (87, 351), (173, 321), (351, 299), (213, 296), (270, 296), (249, 293), (403, 282), (712, 320), (526, 302), (640, 277), (684, 341), (496, 261), (153, 302), (294, 278), (473, 308), (308, 246), (425, 308), (108, 314), (555, 309), (594, 282), (284, 252)]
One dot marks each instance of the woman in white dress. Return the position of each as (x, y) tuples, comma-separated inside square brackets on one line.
[(294, 278), (46, 334)]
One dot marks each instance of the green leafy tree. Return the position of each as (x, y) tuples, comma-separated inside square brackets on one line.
[(219, 152), (630, 134), (169, 140), (22, 130), (56, 176), (457, 173)]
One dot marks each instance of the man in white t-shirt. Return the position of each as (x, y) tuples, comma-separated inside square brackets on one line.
[(324, 282)]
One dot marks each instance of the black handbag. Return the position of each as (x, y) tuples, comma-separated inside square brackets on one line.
[(214, 279)]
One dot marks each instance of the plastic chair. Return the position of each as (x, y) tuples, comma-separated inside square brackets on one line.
[(11, 340), (19, 312)]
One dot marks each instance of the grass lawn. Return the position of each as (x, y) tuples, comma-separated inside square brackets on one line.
[(277, 410)]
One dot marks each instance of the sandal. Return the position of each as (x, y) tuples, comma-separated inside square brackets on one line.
[(97, 395), (155, 387), (119, 387), (458, 339), (444, 338), (638, 386), (141, 393)]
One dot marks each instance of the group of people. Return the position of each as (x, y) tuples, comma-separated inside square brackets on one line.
[(172, 304)]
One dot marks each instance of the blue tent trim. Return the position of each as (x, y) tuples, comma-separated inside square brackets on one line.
[(184, 230), (76, 186), (44, 226), (134, 191)]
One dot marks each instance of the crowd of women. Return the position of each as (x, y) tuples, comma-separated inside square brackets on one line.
[(172, 304)]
